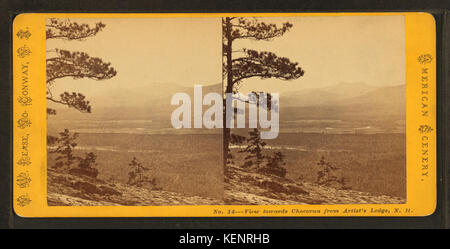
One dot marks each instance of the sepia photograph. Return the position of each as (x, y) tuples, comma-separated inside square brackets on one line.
[(110, 84), (225, 116), (341, 88), (226, 111)]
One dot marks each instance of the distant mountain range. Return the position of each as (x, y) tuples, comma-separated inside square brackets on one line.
[(345, 102), (143, 102), (343, 94), (146, 95), (340, 101)]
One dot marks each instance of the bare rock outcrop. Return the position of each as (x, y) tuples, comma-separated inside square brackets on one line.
[(244, 187), (72, 190)]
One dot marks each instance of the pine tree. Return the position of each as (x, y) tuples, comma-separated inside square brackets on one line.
[(65, 145), (86, 166), (253, 63), (77, 65), (137, 175), (254, 150), (327, 175), (275, 165)]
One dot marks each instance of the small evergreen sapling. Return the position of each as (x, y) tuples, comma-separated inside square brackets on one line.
[(137, 177), (86, 166), (255, 157), (65, 145), (254, 149), (275, 165), (235, 140), (326, 175)]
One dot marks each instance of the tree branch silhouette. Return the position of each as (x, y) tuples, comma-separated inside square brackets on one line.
[(67, 30), (76, 65), (252, 63)]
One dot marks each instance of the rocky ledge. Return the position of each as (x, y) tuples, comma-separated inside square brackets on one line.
[(243, 187)]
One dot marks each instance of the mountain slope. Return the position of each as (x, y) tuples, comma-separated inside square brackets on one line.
[(72, 190), (143, 102), (392, 96), (241, 188), (249, 188), (329, 95)]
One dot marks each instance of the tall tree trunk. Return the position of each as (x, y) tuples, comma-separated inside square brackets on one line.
[(229, 87)]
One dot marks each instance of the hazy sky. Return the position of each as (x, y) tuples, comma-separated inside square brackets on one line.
[(187, 51), (331, 50), (150, 51)]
